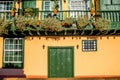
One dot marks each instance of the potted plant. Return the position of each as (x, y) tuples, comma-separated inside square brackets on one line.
[(51, 24), (69, 21), (25, 24), (13, 11), (101, 24), (82, 22), (4, 26), (20, 23)]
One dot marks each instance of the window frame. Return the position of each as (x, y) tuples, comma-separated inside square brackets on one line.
[(93, 45), (15, 60), (6, 6), (83, 8), (44, 15)]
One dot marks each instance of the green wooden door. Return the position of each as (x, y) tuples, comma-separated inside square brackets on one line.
[(60, 62)]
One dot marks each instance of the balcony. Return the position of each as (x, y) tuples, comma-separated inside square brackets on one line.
[(36, 16)]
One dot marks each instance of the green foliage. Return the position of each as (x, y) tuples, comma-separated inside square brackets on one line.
[(29, 12), (69, 21), (51, 24), (4, 26), (21, 23), (102, 24), (82, 22)]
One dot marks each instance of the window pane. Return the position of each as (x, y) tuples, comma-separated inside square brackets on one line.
[(11, 59), (20, 53), (16, 46), (11, 41), (6, 58), (6, 47), (20, 59), (15, 41), (7, 41), (15, 58), (11, 47), (20, 41)]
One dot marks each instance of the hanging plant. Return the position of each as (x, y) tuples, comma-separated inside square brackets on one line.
[(69, 21), (20, 23), (51, 24), (82, 22), (23, 23), (4, 26), (101, 24)]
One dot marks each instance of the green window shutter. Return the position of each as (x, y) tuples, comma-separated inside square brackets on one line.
[(29, 4)]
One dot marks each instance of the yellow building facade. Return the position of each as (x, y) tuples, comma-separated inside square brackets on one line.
[(61, 56), (101, 63)]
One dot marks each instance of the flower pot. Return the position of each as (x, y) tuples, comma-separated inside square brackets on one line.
[(55, 11), (12, 13), (92, 11), (38, 23)]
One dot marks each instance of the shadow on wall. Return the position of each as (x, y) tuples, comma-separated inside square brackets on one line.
[(23, 79)]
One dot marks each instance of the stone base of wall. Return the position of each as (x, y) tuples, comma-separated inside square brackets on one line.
[(58, 79)]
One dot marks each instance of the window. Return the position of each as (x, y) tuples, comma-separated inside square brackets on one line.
[(13, 53), (89, 45), (48, 8), (6, 6), (82, 5)]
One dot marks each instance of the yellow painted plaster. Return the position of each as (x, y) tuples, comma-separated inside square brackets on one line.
[(1, 51), (104, 61)]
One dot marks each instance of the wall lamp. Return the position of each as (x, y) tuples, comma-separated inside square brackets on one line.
[(64, 1), (77, 46), (43, 46)]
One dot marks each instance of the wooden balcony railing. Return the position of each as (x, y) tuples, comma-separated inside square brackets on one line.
[(113, 16)]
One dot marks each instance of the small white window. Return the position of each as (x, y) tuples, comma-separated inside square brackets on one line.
[(89, 45)]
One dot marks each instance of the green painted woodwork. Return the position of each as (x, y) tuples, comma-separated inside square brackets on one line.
[(60, 62), (112, 6), (109, 4), (29, 4)]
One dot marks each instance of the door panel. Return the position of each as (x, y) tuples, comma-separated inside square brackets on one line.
[(60, 62)]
